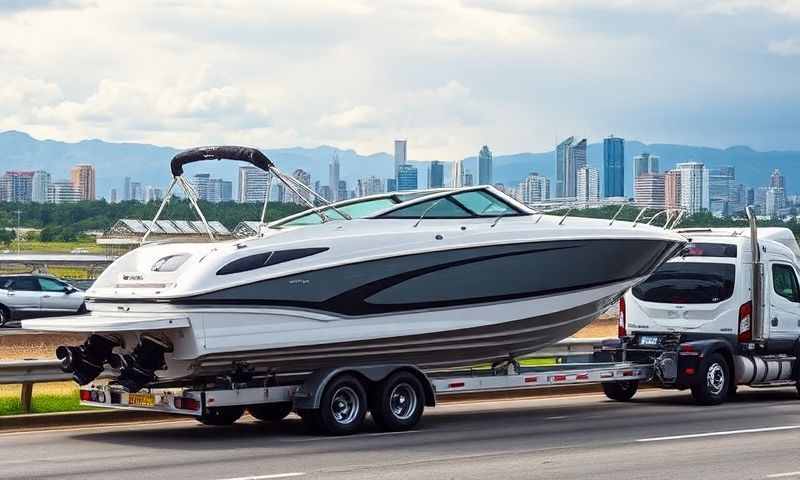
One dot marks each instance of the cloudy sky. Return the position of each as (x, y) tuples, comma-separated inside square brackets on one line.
[(449, 76)]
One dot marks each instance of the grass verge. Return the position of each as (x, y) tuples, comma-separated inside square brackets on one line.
[(47, 398)]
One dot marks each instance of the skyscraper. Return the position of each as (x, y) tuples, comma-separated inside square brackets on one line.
[(485, 174), (83, 178), (16, 187), (63, 191), (341, 191), (333, 175), (469, 179), (721, 190), (645, 163), (369, 186), (436, 175), (457, 172), (588, 184), (40, 185), (614, 167), (535, 188), (252, 185), (113, 195), (407, 178), (304, 178), (137, 193), (672, 189), (691, 186), (200, 184), (649, 190), (399, 155), (126, 190), (570, 157), (152, 194), (777, 180)]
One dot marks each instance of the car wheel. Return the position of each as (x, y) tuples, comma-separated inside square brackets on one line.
[(82, 309), (714, 381)]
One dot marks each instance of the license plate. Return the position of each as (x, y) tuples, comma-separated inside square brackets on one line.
[(648, 340), (141, 399)]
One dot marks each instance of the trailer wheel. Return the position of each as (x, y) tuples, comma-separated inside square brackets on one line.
[(270, 412), (342, 407), (715, 381), (398, 402), (221, 416), (621, 391)]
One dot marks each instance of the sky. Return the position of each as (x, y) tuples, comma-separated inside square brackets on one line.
[(449, 76)]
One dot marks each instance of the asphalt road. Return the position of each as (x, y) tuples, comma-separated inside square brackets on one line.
[(660, 435)]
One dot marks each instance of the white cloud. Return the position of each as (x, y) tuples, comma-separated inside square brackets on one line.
[(785, 48), (358, 116)]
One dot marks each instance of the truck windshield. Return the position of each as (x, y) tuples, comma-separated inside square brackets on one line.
[(688, 282)]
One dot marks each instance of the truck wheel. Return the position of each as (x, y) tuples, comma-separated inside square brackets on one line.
[(271, 412), (398, 402), (221, 416), (5, 316), (714, 383), (621, 391), (342, 407)]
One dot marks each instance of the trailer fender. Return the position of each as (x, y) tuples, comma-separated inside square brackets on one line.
[(691, 355), (309, 395)]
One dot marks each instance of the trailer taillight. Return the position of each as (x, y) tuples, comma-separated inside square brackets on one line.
[(621, 330), (86, 395), (185, 403), (746, 322)]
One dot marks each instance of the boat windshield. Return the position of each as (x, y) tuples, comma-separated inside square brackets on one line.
[(355, 210), (473, 203)]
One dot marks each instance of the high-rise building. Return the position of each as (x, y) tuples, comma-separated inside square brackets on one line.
[(485, 172), (436, 174), (341, 192), (280, 193), (721, 190), (391, 184), (152, 194), (83, 178), (534, 189), (407, 178), (672, 189), (333, 175), (777, 180), (16, 187), (114, 195), (563, 167), (457, 172), (137, 192), (469, 179), (63, 191), (570, 157), (126, 190), (400, 158), (369, 186), (253, 184), (326, 192), (750, 196), (691, 186), (305, 178), (614, 167), (200, 184), (219, 190), (649, 190), (774, 201), (40, 183), (645, 163), (588, 185)]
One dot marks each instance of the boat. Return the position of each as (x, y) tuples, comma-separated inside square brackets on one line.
[(438, 279)]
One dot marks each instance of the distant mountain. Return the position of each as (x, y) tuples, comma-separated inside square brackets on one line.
[(149, 163)]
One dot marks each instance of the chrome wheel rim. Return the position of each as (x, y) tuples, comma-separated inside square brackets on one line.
[(345, 405), (403, 401), (715, 378)]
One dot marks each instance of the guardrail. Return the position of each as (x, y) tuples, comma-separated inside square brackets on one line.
[(29, 372)]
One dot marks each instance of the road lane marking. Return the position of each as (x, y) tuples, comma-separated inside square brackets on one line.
[(96, 426), (559, 417), (267, 477), (719, 434), (784, 475)]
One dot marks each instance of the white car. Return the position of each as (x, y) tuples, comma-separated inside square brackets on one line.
[(26, 296)]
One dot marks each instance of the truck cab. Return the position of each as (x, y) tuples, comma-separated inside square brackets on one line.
[(700, 306)]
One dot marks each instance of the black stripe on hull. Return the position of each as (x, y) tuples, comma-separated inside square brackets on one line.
[(453, 278), (453, 348)]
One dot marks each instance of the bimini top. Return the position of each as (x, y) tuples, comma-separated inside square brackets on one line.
[(223, 152)]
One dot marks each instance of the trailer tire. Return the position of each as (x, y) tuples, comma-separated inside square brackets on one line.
[(715, 381), (398, 402), (342, 407), (221, 416), (621, 391), (270, 412), (5, 315)]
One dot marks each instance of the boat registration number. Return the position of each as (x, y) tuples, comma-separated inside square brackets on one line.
[(648, 340), (141, 399)]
